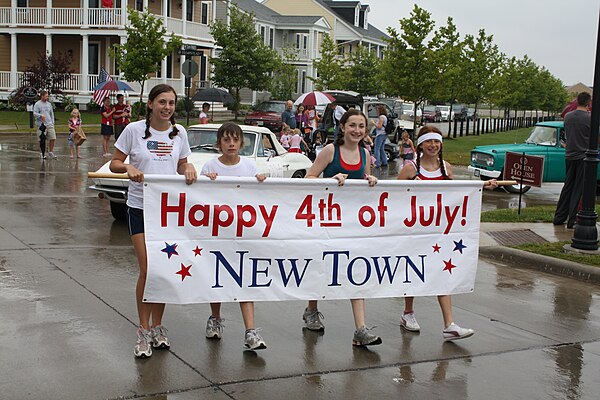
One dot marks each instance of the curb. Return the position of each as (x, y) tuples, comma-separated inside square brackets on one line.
[(525, 259)]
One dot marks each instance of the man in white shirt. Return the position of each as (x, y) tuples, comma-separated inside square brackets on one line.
[(44, 114)]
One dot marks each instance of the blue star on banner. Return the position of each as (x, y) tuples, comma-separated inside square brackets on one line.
[(459, 246), (170, 249)]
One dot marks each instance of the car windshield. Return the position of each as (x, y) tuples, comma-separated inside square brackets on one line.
[(271, 107), (429, 108), (543, 135), (444, 108), (204, 141)]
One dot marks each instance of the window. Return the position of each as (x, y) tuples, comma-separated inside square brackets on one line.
[(139, 5), (94, 4), (170, 66), (204, 14), (93, 58), (272, 38), (22, 3), (303, 82), (190, 10), (301, 41), (349, 49)]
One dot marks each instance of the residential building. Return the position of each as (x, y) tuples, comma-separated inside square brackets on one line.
[(302, 33), (86, 29)]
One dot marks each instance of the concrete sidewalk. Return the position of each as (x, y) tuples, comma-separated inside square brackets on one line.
[(492, 248)]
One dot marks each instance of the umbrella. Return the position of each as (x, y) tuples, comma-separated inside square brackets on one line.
[(314, 98), (112, 85), (212, 95), (569, 107)]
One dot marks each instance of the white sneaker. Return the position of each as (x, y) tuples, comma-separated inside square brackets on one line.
[(253, 341), (142, 348), (455, 332), (214, 328), (409, 322), (159, 337), (52, 155)]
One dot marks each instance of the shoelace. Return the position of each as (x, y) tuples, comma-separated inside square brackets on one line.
[(317, 314), (144, 335), (160, 330)]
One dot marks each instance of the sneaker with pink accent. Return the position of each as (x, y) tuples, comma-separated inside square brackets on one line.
[(409, 322), (455, 332)]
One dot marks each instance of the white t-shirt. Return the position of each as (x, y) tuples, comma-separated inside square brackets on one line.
[(245, 167), (156, 155)]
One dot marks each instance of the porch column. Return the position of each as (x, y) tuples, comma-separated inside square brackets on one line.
[(213, 11), (13, 61), (124, 15), (164, 5), (163, 70), (48, 44), (13, 13), (181, 77), (48, 13), (311, 45), (85, 63), (86, 12), (184, 17)]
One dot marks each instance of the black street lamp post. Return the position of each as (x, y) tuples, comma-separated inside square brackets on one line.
[(585, 236)]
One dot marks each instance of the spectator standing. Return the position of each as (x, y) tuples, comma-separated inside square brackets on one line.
[(380, 137), (577, 129), (121, 116), (203, 117), (301, 117), (106, 129), (74, 124), (287, 117), (44, 114)]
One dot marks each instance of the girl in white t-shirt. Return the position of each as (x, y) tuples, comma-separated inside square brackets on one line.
[(154, 146), (230, 139)]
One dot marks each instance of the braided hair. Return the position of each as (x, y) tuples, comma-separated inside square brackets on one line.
[(426, 129), (339, 140), (157, 90)]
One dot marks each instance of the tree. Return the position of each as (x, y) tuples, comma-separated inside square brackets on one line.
[(244, 61), (328, 66), (285, 78), (361, 72), (144, 49), (407, 69), (448, 59), (482, 59), (51, 72)]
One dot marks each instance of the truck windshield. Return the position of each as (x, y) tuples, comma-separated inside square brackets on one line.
[(543, 135)]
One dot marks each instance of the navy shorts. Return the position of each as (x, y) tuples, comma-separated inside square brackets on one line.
[(106, 130), (135, 220)]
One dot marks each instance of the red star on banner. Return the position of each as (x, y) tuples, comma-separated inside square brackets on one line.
[(184, 271), (449, 266), (197, 251), (436, 248)]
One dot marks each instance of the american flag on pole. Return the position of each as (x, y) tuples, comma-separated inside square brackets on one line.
[(99, 95)]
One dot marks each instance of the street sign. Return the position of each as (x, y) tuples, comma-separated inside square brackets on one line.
[(189, 68), (30, 92), (190, 52), (530, 168)]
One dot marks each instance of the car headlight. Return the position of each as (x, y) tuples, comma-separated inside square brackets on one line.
[(482, 159)]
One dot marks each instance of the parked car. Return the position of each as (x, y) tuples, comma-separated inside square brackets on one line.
[(471, 114), (445, 112), (431, 114), (267, 114), (546, 139), (260, 144), (459, 111), (408, 111)]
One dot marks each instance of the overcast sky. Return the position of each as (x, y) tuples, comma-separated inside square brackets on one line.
[(557, 34)]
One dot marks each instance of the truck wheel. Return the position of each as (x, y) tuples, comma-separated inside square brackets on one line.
[(389, 156), (118, 211), (299, 174)]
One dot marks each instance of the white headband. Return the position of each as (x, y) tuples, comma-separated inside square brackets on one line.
[(429, 136)]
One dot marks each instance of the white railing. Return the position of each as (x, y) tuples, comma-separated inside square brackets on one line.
[(104, 17), (302, 54), (196, 30), (175, 26), (67, 16), (35, 16), (73, 84), (5, 15), (92, 82), (5, 80)]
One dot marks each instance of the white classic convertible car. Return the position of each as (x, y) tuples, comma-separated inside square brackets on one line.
[(260, 144)]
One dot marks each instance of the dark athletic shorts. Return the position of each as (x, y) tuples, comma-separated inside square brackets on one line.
[(106, 130), (135, 220)]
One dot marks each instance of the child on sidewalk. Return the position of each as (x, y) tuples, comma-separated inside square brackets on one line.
[(230, 139), (74, 124)]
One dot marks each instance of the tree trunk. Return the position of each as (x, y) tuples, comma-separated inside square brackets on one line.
[(236, 106), (141, 111)]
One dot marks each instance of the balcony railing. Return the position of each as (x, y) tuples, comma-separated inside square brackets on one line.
[(63, 17)]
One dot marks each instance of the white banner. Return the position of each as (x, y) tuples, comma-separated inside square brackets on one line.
[(236, 239)]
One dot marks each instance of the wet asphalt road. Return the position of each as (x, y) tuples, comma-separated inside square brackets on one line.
[(67, 318)]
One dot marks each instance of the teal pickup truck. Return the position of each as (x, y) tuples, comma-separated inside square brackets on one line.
[(546, 139)]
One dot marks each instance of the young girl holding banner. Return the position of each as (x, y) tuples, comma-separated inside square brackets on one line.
[(138, 141), (430, 165), (346, 158), (230, 139)]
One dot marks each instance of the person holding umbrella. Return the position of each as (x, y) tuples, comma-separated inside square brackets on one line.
[(106, 129)]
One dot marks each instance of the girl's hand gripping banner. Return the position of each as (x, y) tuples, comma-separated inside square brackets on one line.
[(237, 239)]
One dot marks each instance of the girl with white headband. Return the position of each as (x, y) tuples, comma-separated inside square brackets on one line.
[(430, 165)]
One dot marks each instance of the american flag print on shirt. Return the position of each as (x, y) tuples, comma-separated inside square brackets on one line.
[(159, 148)]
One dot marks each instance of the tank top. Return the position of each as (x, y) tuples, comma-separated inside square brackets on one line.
[(337, 165), (425, 175)]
